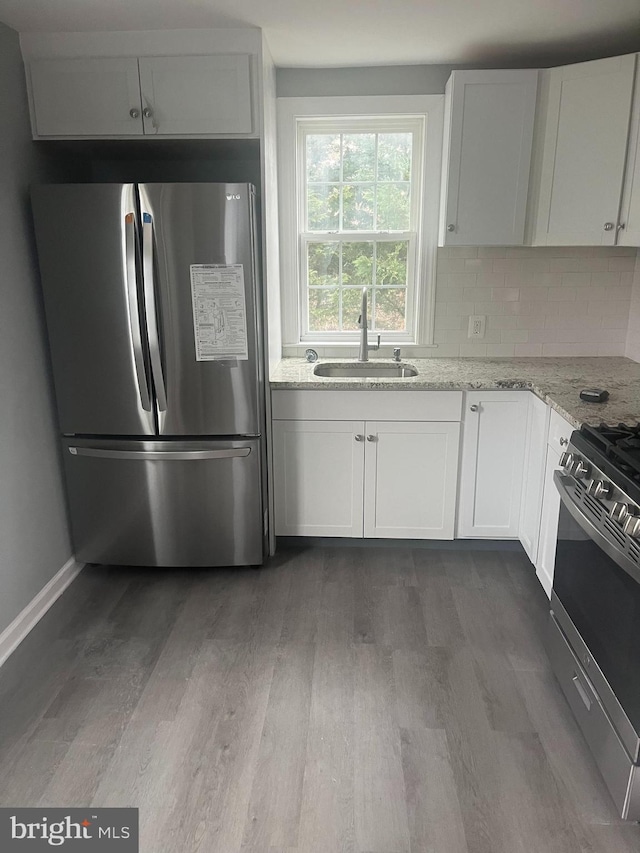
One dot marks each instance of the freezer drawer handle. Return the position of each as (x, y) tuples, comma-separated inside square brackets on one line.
[(161, 455)]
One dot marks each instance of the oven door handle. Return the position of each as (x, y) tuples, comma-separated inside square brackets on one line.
[(591, 530)]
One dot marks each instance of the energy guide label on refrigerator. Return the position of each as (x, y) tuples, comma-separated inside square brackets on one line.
[(219, 311)]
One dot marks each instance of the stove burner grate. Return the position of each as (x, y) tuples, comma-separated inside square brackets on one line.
[(620, 444)]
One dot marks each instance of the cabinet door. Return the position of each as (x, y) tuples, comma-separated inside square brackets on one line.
[(492, 463), (584, 148), (86, 97), (532, 488), (548, 524), (319, 470), (196, 94), (410, 480), (490, 132), (629, 231)]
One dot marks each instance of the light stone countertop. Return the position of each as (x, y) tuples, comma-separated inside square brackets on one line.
[(557, 381)]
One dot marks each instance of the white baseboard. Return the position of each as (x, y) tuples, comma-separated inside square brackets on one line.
[(15, 633)]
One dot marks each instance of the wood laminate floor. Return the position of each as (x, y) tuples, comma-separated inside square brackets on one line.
[(341, 699)]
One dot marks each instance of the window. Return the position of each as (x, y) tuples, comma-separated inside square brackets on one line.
[(356, 200)]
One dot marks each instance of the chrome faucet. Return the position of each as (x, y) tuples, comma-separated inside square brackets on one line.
[(365, 346)]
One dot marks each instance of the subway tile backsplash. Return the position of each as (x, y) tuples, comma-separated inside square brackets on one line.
[(633, 333), (544, 301), (538, 301)]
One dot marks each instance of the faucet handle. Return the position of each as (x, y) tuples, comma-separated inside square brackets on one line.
[(377, 346), (396, 354)]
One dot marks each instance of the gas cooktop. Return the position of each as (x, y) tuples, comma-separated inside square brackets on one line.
[(616, 450)]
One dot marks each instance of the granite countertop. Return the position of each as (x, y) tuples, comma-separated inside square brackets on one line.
[(557, 381)]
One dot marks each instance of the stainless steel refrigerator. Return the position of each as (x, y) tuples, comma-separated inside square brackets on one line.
[(153, 310)]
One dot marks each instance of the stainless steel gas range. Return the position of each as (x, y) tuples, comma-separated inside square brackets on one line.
[(594, 637)]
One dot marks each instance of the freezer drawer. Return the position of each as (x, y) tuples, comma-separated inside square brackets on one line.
[(165, 503)]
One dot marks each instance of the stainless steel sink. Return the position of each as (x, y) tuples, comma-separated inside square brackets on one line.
[(365, 370)]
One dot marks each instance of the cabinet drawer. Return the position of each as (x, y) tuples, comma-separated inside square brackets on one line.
[(559, 432), (610, 755), (367, 405)]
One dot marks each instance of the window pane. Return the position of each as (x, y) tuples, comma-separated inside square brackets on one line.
[(391, 263), (359, 157), (351, 307), (323, 157), (323, 263), (324, 310), (394, 156), (323, 207), (357, 207), (357, 263), (393, 207), (390, 309)]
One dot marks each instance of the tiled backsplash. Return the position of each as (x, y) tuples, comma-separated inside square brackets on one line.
[(633, 333), (543, 301)]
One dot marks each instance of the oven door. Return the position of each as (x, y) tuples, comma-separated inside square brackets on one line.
[(596, 607), (593, 583)]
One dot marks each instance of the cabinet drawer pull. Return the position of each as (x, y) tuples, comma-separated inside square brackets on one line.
[(582, 692), (474, 408), (564, 442)]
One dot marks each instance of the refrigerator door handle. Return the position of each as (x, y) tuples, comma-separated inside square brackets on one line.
[(163, 455), (134, 309), (150, 307)]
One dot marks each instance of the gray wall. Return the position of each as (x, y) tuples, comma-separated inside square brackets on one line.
[(379, 80), (34, 542)]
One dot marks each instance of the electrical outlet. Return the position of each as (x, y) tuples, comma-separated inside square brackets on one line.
[(477, 324)]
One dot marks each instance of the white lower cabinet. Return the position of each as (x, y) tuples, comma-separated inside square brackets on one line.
[(366, 478), (319, 471), (491, 473), (410, 480), (544, 560), (546, 556), (533, 485), (375, 477)]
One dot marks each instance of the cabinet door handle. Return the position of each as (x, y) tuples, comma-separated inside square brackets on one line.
[(371, 438), (359, 437), (147, 113), (474, 408), (134, 113), (564, 442), (451, 227), (609, 226)]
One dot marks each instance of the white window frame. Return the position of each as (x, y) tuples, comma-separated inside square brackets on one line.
[(295, 114)]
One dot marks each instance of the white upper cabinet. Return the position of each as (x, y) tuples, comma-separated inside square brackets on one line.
[(152, 95), (489, 119), (86, 97), (629, 225), (196, 94), (580, 150)]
